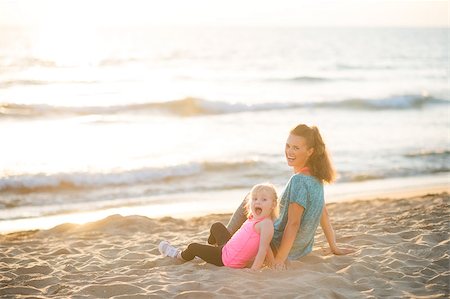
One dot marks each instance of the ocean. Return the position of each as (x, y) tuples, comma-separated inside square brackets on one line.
[(167, 121)]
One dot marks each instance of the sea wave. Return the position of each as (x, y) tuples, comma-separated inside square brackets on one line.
[(394, 102), (184, 107), (356, 177), (86, 180), (197, 107), (430, 153), (29, 82), (117, 61), (306, 79), (9, 83), (349, 66), (27, 62)]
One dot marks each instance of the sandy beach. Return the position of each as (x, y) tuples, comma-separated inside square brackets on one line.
[(125, 123), (402, 252)]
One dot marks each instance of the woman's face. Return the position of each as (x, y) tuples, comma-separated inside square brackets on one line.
[(297, 152)]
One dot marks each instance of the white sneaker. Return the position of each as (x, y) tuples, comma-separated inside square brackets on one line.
[(167, 250)]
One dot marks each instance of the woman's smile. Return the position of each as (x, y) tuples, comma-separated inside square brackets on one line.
[(297, 151), (290, 159)]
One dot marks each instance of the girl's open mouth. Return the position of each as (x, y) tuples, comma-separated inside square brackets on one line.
[(258, 211)]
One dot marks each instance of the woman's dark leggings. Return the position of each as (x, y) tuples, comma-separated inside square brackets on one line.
[(208, 253)]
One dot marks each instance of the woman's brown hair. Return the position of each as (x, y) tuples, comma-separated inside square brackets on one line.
[(319, 163)]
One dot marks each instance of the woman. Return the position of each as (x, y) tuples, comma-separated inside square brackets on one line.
[(302, 205)]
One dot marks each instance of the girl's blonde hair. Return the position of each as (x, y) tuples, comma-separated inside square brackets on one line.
[(258, 188)]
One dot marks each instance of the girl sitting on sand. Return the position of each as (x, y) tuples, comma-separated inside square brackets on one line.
[(250, 243)]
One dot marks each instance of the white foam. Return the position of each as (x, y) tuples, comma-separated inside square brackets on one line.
[(86, 179)]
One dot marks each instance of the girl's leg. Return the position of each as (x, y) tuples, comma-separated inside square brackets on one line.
[(209, 254)]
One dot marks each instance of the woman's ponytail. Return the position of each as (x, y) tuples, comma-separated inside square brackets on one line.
[(319, 162), (319, 145)]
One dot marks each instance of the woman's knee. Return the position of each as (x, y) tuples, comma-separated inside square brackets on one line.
[(216, 226)]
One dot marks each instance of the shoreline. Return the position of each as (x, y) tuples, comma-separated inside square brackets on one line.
[(402, 251), (197, 204)]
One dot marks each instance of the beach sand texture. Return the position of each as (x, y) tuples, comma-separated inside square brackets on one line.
[(403, 252)]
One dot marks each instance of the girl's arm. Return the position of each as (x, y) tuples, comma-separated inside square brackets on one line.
[(270, 258), (266, 234), (295, 214), (330, 235)]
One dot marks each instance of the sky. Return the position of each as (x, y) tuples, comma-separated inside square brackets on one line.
[(101, 13)]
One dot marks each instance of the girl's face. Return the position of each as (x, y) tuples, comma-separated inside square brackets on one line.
[(297, 152), (262, 204)]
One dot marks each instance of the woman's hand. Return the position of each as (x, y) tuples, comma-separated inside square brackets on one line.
[(279, 265), (295, 214), (339, 250), (343, 250), (331, 237)]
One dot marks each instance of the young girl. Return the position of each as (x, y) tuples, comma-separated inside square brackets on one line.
[(250, 243)]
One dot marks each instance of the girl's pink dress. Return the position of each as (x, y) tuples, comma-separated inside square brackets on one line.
[(243, 245)]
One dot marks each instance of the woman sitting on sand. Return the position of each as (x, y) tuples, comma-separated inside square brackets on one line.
[(302, 205), (251, 242)]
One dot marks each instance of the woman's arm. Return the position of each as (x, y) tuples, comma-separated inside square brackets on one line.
[(266, 234), (330, 235), (295, 214)]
